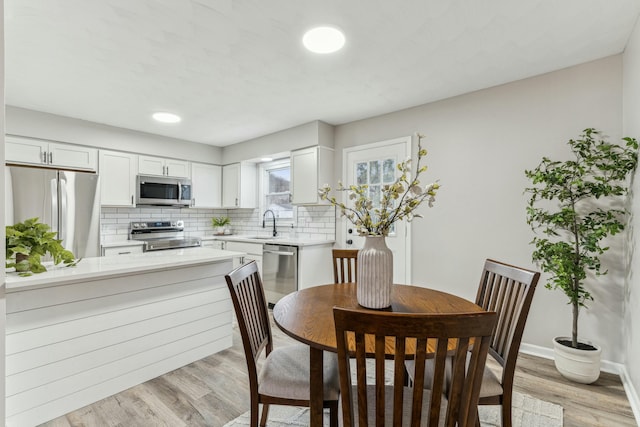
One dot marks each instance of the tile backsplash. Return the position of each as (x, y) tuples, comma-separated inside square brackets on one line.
[(312, 222)]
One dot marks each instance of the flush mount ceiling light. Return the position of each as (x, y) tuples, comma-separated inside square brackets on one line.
[(323, 39), (164, 117), (266, 159)]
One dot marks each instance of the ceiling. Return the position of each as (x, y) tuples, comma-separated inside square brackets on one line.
[(236, 69)]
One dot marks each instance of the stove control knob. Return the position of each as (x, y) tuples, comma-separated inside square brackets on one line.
[(143, 225), (135, 225)]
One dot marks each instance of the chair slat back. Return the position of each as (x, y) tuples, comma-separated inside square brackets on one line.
[(251, 310), (345, 265), (390, 333), (507, 290)]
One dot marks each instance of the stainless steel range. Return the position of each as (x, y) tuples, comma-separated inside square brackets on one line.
[(159, 235)]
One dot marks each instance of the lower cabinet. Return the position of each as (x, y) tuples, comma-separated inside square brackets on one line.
[(315, 265), (121, 250), (253, 253), (213, 244)]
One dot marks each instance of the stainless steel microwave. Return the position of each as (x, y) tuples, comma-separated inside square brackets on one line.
[(163, 191)]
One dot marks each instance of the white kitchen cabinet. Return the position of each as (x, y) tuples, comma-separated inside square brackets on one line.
[(206, 181), (253, 252), (311, 168), (213, 243), (148, 165), (127, 249), (315, 265), (51, 154), (117, 178), (239, 185)]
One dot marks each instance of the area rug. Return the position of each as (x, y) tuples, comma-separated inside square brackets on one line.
[(527, 412)]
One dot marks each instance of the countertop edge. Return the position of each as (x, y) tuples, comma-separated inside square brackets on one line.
[(277, 241), (105, 267)]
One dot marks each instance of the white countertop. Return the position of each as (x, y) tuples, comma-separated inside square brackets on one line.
[(296, 241), (100, 267)]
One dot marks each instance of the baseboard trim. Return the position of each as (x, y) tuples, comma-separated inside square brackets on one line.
[(632, 394), (605, 365)]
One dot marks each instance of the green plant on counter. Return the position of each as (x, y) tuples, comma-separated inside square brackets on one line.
[(28, 241), (220, 221)]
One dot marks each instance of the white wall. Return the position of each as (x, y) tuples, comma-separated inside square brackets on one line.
[(631, 127), (479, 146), (3, 307), (306, 135), (37, 124)]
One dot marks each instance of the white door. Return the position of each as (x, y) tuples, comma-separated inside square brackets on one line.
[(375, 165)]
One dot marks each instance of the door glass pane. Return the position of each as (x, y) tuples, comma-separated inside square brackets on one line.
[(374, 172), (388, 171), (375, 195), (361, 174)]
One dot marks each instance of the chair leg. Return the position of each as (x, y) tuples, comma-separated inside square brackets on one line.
[(255, 409), (333, 414), (506, 410), (265, 415)]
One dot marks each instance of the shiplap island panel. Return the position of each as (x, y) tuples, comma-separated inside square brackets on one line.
[(77, 335)]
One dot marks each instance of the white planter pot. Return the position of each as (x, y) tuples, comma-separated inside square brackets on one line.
[(581, 366), (375, 273)]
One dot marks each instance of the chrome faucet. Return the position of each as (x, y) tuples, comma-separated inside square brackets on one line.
[(275, 233)]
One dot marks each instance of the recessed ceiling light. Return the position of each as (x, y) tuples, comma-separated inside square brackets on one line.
[(323, 39), (165, 117), (266, 159)]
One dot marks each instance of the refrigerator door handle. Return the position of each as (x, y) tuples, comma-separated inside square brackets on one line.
[(62, 234), (54, 206)]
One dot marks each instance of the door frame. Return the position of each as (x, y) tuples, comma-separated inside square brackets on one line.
[(343, 220)]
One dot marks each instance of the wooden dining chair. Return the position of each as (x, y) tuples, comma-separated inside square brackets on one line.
[(284, 377), (345, 265), (507, 290), (385, 405)]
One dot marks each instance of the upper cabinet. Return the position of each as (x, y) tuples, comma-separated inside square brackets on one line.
[(117, 178), (50, 154), (311, 168), (206, 181), (163, 167), (239, 185)]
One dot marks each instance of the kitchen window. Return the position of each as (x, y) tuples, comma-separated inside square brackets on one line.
[(276, 190)]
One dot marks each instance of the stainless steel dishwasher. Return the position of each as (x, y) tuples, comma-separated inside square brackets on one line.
[(279, 271)]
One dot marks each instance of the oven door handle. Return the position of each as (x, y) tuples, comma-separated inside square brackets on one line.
[(279, 253)]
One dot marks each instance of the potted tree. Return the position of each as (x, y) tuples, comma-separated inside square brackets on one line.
[(572, 205), (219, 223), (27, 242)]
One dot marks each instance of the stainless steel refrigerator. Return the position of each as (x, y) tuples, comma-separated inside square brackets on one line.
[(68, 201)]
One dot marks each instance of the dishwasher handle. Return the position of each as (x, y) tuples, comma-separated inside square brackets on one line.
[(279, 253)]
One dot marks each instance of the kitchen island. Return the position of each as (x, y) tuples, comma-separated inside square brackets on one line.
[(75, 335)]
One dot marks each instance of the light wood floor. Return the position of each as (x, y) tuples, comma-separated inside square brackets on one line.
[(213, 391)]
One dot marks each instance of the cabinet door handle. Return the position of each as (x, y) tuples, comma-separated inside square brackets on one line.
[(132, 199), (124, 253), (44, 157), (236, 201), (50, 158)]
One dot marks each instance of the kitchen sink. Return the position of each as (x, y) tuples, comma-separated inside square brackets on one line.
[(261, 237)]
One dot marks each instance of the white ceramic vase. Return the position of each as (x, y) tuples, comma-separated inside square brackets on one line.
[(375, 273)]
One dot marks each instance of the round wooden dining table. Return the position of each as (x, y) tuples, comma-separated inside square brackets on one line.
[(307, 316)]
